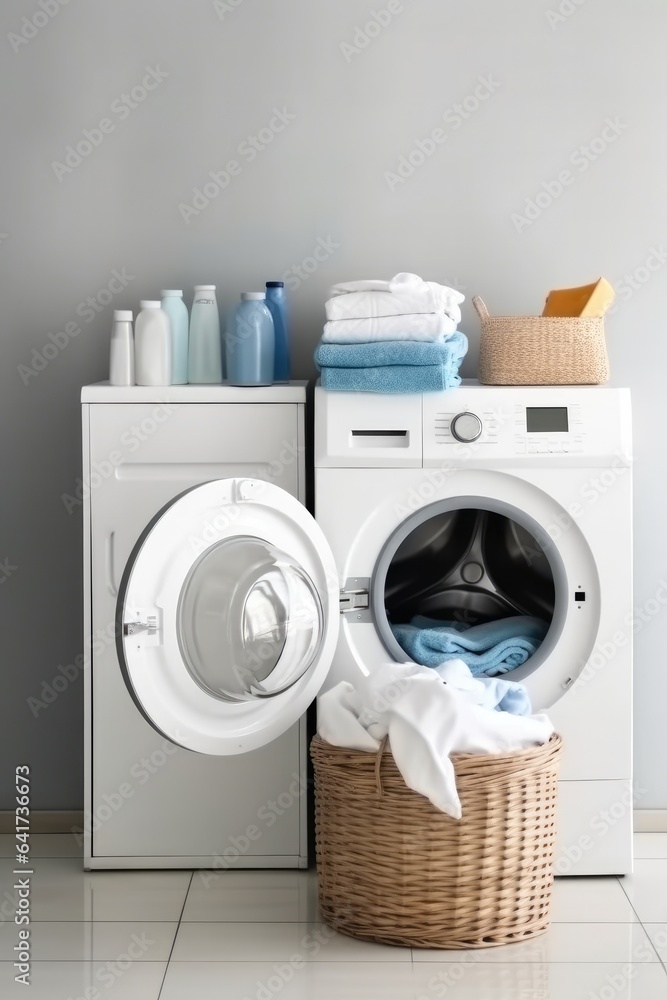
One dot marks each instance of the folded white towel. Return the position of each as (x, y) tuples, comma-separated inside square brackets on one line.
[(401, 282), (426, 721), (413, 326), (405, 293), (367, 285)]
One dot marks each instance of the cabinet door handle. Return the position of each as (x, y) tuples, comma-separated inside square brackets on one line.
[(109, 562)]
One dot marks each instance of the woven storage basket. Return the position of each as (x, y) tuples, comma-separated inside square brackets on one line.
[(395, 869), (541, 350)]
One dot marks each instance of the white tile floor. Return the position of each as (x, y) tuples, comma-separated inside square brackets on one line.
[(258, 936)]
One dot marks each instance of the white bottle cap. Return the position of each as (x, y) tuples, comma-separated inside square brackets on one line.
[(150, 304), (252, 296), (123, 315), (204, 288), (170, 291)]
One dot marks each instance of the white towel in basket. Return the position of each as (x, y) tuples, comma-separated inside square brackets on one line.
[(426, 721)]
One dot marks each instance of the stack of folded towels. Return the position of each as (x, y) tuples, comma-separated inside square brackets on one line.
[(392, 336)]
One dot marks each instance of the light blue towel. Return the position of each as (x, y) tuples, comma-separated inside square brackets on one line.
[(448, 351), (390, 378), (493, 648), (494, 693)]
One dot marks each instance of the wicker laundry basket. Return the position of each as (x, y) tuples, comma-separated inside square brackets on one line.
[(395, 869), (541, 350)]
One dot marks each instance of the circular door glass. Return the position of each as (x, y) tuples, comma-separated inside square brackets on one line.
[(249, 620)]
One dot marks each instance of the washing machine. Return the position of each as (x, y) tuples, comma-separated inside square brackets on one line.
[(209, 600), (481, 503)]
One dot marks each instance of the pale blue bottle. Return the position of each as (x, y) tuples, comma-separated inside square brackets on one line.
[(177, 311), (250, 342), (275, 301), (204, 349)]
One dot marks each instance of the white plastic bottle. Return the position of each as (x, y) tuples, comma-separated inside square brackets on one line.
[(121, 350), (152, 345)]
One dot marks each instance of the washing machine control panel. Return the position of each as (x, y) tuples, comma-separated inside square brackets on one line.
[(550, 424)]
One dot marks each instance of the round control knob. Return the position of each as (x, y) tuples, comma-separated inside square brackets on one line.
[(466, 427)]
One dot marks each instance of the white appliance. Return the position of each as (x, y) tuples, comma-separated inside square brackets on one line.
[(481, 502), (208, 594), (214, 601)]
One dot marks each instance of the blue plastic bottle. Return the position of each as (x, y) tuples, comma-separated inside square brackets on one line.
[(250, 342), (177, 311), (275, 301), (205, 351)]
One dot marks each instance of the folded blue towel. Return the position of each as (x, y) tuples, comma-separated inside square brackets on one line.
[(390, 378), (493, 648), (449, 351)]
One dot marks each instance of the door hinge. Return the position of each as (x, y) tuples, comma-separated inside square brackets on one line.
[(145, 625), (355, 599)]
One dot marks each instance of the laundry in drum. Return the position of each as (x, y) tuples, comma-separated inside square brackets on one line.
[(488, 649)]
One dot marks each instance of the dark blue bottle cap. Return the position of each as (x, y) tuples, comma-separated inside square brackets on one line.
[(275, 284)]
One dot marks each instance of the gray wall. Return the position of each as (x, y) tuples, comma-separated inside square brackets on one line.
[(357, 104)]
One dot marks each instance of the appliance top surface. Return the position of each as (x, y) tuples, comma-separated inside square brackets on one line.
[(477, 424), (103, 392)]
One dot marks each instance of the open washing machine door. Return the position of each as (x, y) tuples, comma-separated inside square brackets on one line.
[(228, 616)]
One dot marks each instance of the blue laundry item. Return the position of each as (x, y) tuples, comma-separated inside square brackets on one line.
[(489, 649), (448, 351), (512, 696), (390, 378), (494, 693)]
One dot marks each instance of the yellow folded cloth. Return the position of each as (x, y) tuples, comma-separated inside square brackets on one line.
[(587, 300)]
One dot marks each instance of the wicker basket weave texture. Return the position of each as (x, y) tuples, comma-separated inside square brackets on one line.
[(541, 350), (394, 869)]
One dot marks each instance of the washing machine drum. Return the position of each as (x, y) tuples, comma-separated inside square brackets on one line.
[(472, 565)]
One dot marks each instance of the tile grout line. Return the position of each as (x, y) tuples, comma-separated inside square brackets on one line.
[(641, 922), (178, 927)]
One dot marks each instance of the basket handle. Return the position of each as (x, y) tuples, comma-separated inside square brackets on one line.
[(378, 765), (482, 311)]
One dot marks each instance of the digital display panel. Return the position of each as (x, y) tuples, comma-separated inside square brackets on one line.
[(542, 419)]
